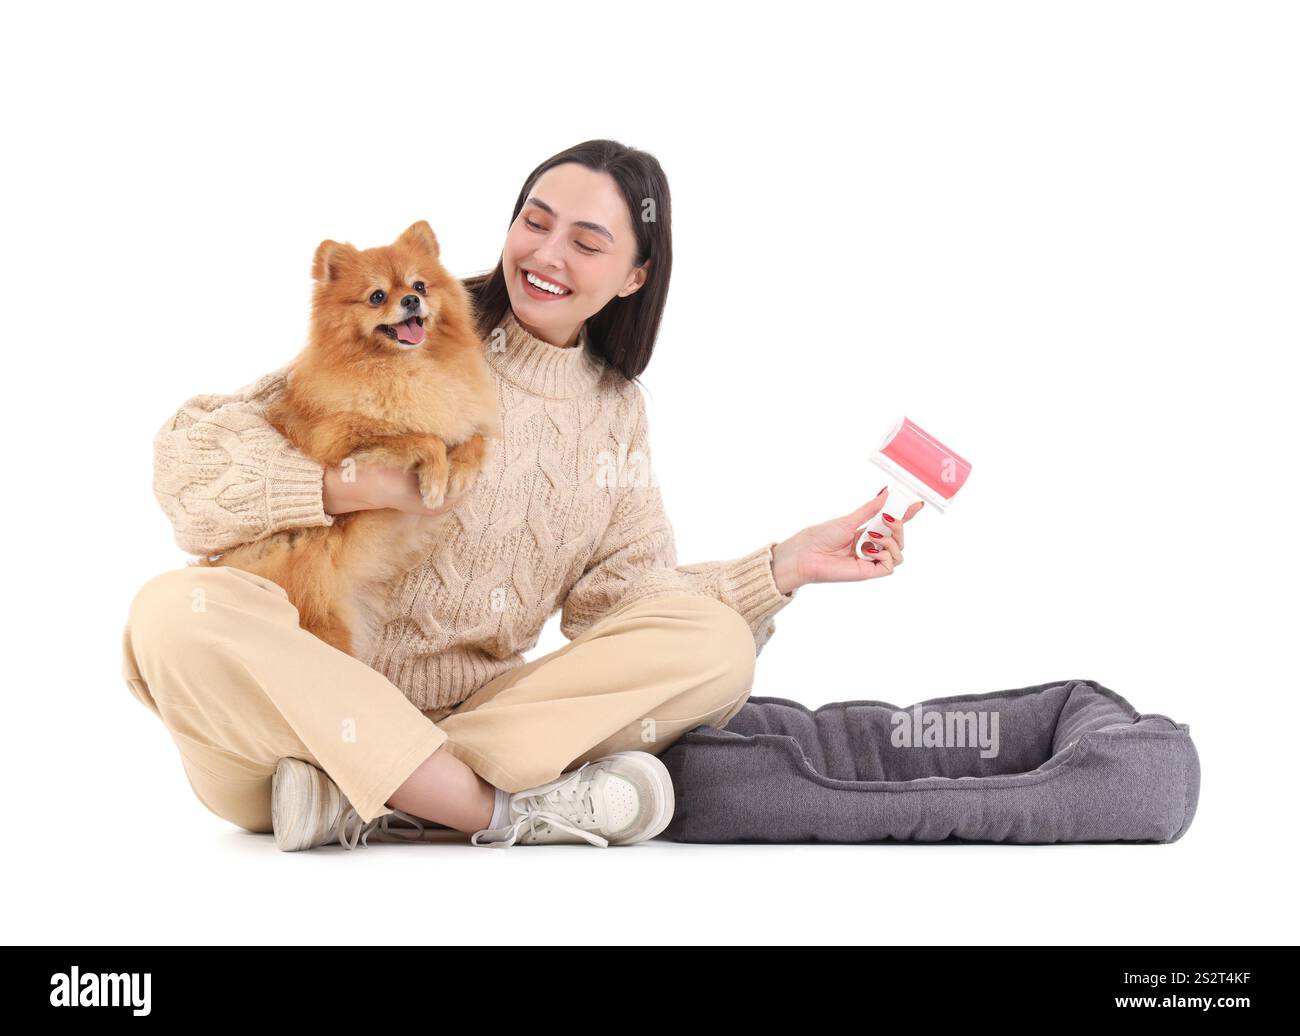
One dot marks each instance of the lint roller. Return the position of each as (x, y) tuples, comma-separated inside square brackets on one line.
[(919, 467)]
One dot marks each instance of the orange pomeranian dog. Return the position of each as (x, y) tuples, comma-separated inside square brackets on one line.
[(393, 374)]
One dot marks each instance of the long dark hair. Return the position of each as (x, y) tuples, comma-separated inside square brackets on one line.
[(623, 333)]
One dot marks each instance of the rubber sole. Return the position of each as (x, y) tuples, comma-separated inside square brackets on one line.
[(302, 800), (667, 805)]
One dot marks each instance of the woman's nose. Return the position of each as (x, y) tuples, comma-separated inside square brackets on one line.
[(548, 252)]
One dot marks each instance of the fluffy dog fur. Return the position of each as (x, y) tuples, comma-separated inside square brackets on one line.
[(367, 390)]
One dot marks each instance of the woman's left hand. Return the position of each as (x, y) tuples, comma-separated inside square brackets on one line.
[(825, 553)]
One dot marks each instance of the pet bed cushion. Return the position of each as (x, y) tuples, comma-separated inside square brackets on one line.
[(1071, 762)]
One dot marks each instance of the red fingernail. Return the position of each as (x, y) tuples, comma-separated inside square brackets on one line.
[(889, 517), (881, 490), (876, 535), (873, 550)]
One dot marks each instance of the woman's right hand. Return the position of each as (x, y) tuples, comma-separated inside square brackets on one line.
[(372, 487)]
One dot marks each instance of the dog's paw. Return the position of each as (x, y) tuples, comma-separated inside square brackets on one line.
[(434, 498), (433, 492), (462, 477), (465, 462)]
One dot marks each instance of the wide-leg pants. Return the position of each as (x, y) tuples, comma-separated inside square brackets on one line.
[(218, 655)]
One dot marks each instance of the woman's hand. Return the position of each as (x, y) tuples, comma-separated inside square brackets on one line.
[(825, 553), (373, 487)]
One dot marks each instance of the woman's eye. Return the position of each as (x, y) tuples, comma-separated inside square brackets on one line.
[(419, 286), (586, 248), (534, 226), (377, 298)]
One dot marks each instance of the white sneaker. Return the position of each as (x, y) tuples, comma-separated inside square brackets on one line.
[(308, 809), (616, 800)]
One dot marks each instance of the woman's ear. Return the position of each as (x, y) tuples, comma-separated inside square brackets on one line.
[(636, 279)]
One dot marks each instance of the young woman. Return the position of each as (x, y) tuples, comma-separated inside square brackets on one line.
[(444, 722)]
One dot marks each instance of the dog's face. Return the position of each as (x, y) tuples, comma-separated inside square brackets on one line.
[(381, 298)]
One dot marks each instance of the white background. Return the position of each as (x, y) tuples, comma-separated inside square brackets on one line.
[(1061, 237)]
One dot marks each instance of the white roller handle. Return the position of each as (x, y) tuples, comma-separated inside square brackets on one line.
[(898, 499)]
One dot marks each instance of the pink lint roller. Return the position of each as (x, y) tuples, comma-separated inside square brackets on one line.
[(919, 467)]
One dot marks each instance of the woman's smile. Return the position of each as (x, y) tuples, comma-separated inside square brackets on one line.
[(539, 287)]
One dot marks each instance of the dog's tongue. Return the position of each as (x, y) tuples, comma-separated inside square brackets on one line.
[(409, 332)]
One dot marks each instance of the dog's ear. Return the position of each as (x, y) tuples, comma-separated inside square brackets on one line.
[(420, 235), (328, 263)]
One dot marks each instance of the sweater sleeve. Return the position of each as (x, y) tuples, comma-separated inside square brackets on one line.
[(637, 557), (224, 476)]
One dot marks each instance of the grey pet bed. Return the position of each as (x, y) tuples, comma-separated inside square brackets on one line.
[(1072, 761)]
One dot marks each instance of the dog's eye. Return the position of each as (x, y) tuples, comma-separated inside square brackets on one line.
[(419, 286), (377, 298)]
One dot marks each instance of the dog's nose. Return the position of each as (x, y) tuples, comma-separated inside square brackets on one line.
[(411, 302)]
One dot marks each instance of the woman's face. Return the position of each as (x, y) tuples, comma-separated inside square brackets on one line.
[(574, 233)]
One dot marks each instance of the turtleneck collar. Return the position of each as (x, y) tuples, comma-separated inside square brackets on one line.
[(541, 368)]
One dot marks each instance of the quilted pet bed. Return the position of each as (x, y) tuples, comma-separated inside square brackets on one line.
[(1070, 761)]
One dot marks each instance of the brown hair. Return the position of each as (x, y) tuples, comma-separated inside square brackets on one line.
[(623, 333)]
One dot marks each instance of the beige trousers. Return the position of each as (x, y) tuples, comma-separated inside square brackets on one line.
[(218, 655)]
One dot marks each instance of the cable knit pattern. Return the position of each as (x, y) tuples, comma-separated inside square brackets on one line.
[(224, 476), (566, 514)]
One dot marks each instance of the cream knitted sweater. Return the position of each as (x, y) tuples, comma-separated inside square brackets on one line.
[(565, 514)]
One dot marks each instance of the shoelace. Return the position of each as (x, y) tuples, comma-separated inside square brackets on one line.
[(363, 830), (570, 801)]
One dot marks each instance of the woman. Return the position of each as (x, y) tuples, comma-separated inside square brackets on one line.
[(443, 722)]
